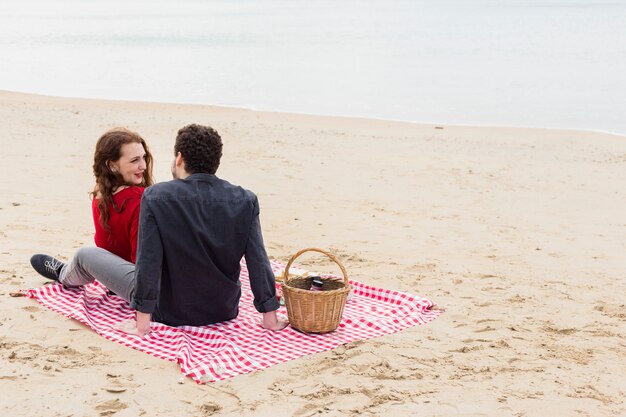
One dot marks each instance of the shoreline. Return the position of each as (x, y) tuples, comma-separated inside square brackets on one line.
[(363, 118), (517, 233)]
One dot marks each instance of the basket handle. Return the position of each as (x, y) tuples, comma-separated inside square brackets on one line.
[(330, 255)]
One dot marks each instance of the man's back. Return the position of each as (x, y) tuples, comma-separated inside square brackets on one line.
[(192, 235)]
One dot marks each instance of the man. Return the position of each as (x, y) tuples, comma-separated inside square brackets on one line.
[(193, 231)]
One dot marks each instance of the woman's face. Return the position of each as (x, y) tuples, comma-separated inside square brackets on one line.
[(132, 163)]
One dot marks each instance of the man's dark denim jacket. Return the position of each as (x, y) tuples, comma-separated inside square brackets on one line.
[(192, 236)]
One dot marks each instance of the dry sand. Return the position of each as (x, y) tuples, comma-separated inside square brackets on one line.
[(518, 233)]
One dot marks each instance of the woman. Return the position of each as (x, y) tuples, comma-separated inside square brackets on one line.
[(123, 168)]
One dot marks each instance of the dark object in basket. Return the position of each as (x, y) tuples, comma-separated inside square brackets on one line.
[(317, 284), (315, 311)]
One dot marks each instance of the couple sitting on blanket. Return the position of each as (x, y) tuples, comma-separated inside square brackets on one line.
[(173, 249)]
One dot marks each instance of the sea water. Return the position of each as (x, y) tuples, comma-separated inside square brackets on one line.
[(541, 63)]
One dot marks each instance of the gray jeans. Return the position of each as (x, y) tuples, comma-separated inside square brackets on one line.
[(90, 264)]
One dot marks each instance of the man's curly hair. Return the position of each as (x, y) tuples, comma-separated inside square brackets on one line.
[(201, 148)]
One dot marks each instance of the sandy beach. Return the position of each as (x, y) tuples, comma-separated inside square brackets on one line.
[(518, 233)]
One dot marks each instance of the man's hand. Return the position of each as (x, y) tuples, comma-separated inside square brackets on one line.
[(139, 327), (271, 321), (143, 323)]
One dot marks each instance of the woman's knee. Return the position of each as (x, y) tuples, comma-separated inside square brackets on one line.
[(87, 253)]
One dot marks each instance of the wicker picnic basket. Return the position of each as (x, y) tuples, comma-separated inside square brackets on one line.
[(315, 311)]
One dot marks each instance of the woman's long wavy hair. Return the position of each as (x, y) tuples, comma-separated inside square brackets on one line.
[(109, 149)]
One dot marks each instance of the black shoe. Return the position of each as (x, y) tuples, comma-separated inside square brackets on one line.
[(47, 266)]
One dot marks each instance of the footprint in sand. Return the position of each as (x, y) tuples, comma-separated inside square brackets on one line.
[(551, 329), (611, 310), (485, 329), (208, 409), (110, 407), (517, 299)]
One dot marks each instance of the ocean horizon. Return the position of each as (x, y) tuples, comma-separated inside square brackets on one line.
[(549, 64)]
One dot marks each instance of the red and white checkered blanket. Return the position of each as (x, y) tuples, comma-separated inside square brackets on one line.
[(224, 350)]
